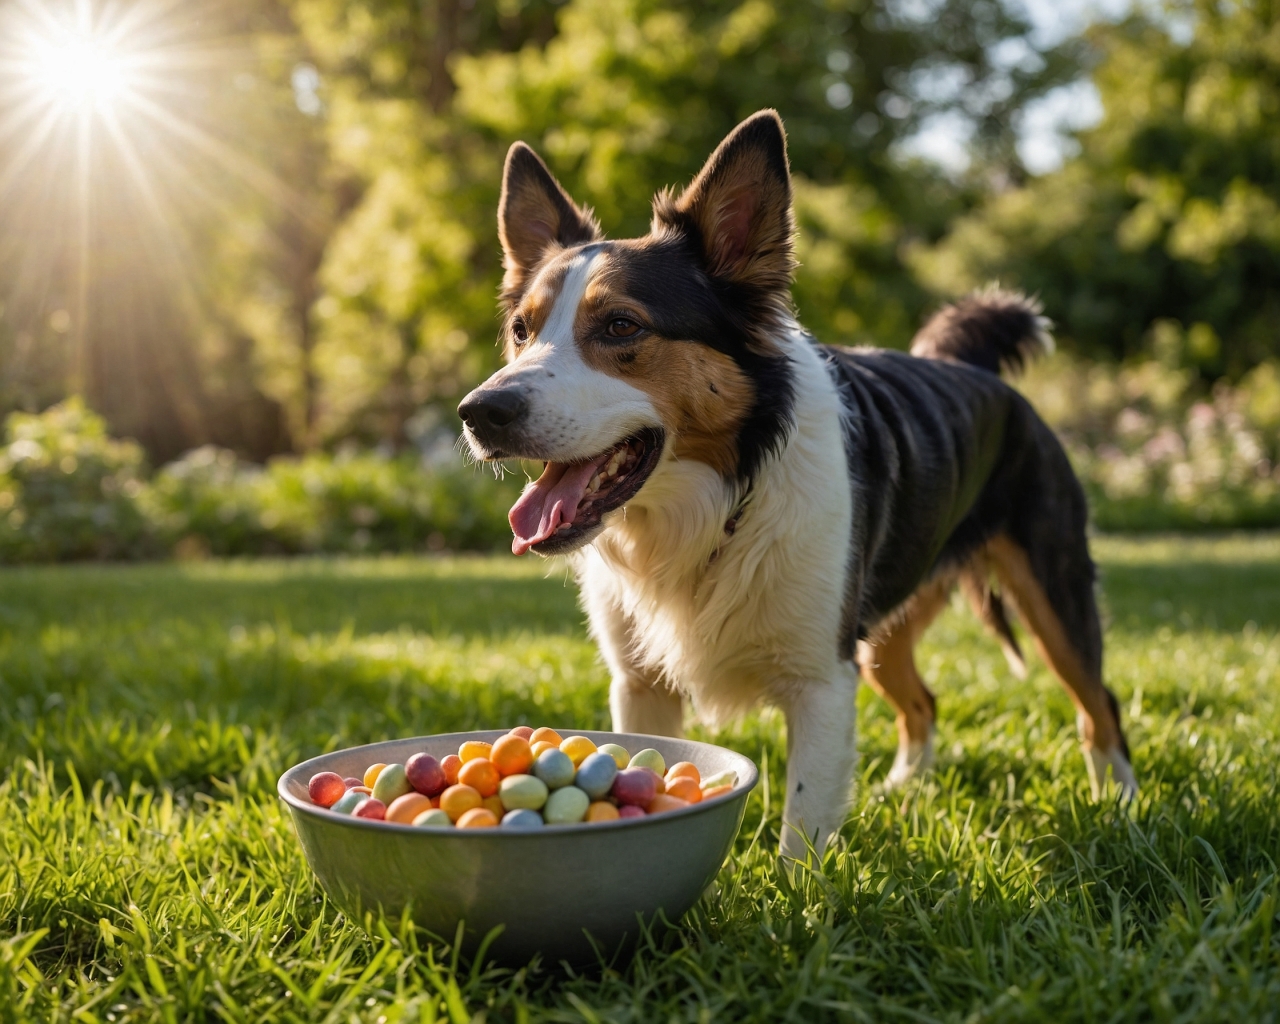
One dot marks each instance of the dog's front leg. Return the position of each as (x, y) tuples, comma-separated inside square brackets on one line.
[(821, 753), (638, 699)]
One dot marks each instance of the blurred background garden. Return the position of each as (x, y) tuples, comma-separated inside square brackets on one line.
[(248, 259)]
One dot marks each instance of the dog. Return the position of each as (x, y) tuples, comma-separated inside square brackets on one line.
[(754, 517)]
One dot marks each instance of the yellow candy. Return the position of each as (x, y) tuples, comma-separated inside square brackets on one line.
[(472, 749), (371, 774), (577, 747), (542, 745)]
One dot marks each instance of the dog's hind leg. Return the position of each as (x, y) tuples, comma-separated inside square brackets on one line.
[(638, 699), (1056, 603), (888, 662), (821, 753)]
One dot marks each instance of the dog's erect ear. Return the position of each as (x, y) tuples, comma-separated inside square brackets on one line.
[(739, 206), (533, 214)]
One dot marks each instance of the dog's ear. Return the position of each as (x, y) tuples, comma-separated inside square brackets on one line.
[(738, 208), (535, 213)]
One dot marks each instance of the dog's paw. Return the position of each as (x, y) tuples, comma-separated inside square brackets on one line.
[(912, 760)]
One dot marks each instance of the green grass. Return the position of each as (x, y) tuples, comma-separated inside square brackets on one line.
[(148, 872)]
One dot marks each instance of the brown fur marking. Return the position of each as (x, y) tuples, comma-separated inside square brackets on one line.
[(1098, 722), (702, 395), (888, 662)]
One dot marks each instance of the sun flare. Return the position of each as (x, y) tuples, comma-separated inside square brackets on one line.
[(80, 71)]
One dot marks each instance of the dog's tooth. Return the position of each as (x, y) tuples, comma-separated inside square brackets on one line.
[(594, 484)]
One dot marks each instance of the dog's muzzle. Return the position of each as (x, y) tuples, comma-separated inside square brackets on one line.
[(495, 417)]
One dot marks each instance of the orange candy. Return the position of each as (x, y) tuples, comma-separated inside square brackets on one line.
[(664, 802), (473, 749), (715, 791), (477, 817), (602, 810), (540, 746), (481, 775), (405, 808), (545, 735), (451, 763), (457, 800), (494, 804), (683, 769), (371, 774), (512, 755), (683, 787), (523, 731)]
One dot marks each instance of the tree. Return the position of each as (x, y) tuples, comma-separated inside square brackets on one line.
[(1163, 236), (624, 97)]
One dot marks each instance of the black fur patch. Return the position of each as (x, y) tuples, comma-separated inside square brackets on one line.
[(666, 274)]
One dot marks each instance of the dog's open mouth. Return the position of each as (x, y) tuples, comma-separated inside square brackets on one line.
[(570, 498)]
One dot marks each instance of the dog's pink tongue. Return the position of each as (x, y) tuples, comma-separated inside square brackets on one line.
[(549, 501)]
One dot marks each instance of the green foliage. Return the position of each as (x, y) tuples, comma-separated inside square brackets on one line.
[(150, 872), (1156, 449), (625, 97), (67, 490), (1163, 235)]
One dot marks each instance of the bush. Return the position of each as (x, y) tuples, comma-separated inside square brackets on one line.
[(209, 501), (1156, 451), (68, 491)]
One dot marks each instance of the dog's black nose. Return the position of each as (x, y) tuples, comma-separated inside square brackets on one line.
[(489, 413)]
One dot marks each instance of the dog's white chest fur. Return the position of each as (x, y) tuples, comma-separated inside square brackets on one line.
[(758, 618)]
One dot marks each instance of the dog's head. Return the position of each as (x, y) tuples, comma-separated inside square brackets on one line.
[(623, 354)]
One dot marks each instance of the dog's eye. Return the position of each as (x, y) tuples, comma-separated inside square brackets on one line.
[(621, 327), (519, 332)]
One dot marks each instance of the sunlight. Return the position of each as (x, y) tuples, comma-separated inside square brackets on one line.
[(79, 71)]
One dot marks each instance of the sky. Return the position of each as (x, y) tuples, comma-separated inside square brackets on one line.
[(1043, 144)]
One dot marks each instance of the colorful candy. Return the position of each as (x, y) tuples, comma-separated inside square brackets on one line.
[(619, 754), (526, 779), (425, 774), (637, 786), (554, 768), (404, 809), (326, 788), (565, 806), (391, 783), (522, 817), (596, 774), (651, 759), (481, 775), (523, 792), (577, 747)]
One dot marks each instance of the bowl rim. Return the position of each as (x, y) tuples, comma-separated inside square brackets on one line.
[(749, 775)]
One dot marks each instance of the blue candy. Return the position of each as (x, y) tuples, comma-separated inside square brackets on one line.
[(522, 818), (596, 774), (555, 768)]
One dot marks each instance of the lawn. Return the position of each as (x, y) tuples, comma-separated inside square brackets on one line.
[(149, 873)]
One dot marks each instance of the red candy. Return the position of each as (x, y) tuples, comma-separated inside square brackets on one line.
[(425, 774), (325, 788), (635, 786), (349, 782), (523, 731), (371, 808), (631, 811)]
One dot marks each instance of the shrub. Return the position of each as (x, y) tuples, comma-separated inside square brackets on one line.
[(68, 491), (1155, 451), (211, 502)]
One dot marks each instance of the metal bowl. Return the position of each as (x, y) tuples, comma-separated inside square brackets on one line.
[(570, 892)]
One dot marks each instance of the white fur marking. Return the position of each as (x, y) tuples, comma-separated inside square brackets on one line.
[(575, 411)]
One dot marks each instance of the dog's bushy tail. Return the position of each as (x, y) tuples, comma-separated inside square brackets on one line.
[(993, 328)]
